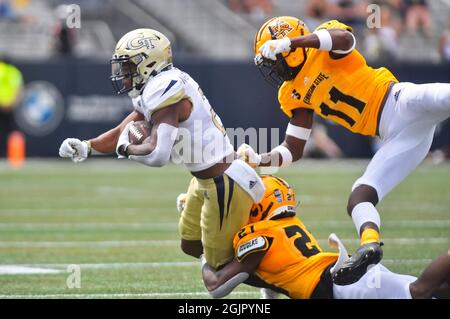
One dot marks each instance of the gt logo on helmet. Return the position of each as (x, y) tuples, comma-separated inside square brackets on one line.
[(140, 42)]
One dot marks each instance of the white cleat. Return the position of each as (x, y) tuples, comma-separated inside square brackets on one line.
[(335, 242), (267, 293)]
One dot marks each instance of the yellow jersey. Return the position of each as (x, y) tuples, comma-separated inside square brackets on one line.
[(293, 262), (345, 90)]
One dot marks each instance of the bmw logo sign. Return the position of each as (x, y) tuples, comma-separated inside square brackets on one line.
[(42, 109)]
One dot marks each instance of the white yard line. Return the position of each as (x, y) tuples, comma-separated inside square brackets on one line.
[(156, 243), (26, 270), (87, 244), (73, 226), (51, 269), (125, 295), (445, 223), (118, 265), (130, 265)]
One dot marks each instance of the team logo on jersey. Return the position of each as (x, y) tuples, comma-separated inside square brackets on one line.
[(140, 42), (281, 29)]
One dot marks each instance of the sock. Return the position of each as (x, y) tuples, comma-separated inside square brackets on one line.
[(370, 235), (366, 213)]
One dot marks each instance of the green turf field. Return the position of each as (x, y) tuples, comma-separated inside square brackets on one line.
[(117, 221)]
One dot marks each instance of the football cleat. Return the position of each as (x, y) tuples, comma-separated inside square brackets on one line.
[(357, 265), (267, 293)]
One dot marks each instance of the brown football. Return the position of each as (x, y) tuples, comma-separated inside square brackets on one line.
[(139, 131)]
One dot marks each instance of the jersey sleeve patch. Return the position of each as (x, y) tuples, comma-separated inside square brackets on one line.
[(256, 244)]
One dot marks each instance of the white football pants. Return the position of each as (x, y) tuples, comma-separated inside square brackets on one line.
[(378, 283), (406, 128)]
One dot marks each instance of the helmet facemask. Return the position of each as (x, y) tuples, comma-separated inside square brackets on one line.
[(278, 71), (125, 76)]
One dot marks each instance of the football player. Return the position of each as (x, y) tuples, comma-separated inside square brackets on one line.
[(275, 250), (322, 72), (186, 129)]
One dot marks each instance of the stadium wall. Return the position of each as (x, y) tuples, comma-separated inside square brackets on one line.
[(74, 98)]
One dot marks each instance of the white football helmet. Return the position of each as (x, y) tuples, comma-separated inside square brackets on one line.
[(139, 55)]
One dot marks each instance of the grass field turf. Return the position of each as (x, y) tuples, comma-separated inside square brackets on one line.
[(117, 220)]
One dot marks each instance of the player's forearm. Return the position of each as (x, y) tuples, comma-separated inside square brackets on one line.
[(275, 158), (141, 149), (106, 142), (271, 159), (210, 278), (341, 40), (220, 283)]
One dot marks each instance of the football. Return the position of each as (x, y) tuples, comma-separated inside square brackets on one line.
[(139, 131)]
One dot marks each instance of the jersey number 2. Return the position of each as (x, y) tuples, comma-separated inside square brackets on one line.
[(303, 242), (336, 96)]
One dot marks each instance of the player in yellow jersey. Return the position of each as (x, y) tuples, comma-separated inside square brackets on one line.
[(281, 254), (323, 73)]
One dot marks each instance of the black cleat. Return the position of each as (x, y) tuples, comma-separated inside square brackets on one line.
[(357, 265)]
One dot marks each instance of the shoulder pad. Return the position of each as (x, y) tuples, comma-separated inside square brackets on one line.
[(162, 91), (260, 243), (334, 24)]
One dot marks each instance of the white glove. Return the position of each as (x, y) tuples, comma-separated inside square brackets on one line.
[(75, 149), (246, 153), (124, 140), (271, 48), (181, 202)]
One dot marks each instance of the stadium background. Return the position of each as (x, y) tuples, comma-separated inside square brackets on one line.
[(117, 219)]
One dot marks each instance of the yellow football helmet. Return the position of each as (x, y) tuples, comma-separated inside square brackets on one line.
[(288, 64), (278, 201), (139, 55)]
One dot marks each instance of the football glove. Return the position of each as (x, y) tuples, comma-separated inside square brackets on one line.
[(246, 153), (181, 202), (271, 48), (124, 141), (74, 149)]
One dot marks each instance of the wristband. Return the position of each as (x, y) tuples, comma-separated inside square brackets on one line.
[(326, 42)]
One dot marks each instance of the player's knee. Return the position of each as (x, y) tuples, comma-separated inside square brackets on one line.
[(361, 194), (192, 248), (420, 291)]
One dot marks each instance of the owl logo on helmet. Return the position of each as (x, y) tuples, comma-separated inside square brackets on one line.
[(278, 201), (288, 64), (139, 55)]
